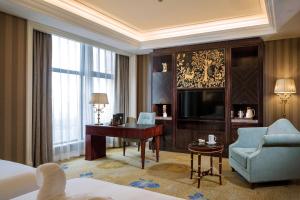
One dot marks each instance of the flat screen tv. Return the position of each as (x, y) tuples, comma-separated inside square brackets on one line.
[(201, 104)]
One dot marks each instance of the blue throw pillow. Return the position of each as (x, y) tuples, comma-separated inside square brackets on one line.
[(282, 126)]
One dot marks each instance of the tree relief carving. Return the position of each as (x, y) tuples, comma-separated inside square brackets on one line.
[(201, 69)]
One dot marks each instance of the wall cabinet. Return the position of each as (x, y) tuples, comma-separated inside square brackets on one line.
[(242, 86)]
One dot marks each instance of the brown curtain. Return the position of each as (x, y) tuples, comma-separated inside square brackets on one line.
[(13, 40), (42, 100), (121, 101), (122, 85), (144, 63)]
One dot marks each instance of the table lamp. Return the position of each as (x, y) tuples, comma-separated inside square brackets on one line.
[(97, 100), (284, 88)]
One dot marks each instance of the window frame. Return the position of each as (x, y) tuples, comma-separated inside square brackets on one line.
[(93, 74)]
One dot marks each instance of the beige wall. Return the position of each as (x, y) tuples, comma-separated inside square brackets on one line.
[(282, 60), (12, 88)]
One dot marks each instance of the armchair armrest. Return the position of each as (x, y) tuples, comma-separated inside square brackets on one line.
[(249, 137), (281, 140), (272, 147)]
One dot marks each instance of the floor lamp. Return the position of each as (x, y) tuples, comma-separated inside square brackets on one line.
[(284, 88), (99, 100)]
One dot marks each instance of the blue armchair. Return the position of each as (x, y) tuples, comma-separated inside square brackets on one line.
[(264, 154)]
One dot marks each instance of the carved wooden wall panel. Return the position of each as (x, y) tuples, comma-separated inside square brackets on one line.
[(201, 69)]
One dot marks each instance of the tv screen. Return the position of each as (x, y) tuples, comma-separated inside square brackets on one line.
[(204, 104)]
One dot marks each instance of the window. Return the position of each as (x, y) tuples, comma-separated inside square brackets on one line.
[(102, 78), (77, 71), (66, 90)]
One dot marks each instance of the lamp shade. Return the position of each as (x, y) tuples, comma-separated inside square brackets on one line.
[(284, 86), (99, 98)]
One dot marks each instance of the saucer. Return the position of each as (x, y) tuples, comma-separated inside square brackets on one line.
[(211, 143)]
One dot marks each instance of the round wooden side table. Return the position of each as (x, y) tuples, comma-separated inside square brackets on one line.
[(210, 150)]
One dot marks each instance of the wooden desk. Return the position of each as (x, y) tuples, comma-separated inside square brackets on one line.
[(95, 141)]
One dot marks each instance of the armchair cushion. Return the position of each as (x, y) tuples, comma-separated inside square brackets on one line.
[(282, 140), (240, 155), (282, 126)]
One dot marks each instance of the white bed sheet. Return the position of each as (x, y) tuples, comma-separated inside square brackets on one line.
[(95, 187), (16, 179)]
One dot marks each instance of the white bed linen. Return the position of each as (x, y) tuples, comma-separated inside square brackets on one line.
[(95, 187), (16, 179)]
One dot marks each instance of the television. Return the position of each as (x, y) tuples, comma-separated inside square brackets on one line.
[(201, 104)]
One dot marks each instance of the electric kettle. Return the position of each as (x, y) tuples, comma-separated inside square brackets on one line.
[(250, 113)]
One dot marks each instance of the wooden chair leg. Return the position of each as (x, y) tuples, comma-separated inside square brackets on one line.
[(124, 147), (139, 145), (153, 146)]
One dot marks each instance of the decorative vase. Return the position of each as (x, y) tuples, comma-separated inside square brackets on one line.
[(165, 67), (165, 111)]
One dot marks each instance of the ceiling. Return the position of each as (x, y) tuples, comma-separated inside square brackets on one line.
[(289, 30), (287, 20), (149, 15), (138, 26), (147, 20)]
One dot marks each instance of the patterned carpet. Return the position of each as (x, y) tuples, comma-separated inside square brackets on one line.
[(171, 176)]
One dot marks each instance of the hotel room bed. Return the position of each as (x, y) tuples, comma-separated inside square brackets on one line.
[(16, 179), (94, 187)]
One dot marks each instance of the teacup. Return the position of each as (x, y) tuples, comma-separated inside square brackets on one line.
[(201, 141), (212, 139)]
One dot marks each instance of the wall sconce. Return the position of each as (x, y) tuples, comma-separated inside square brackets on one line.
[(97, 100), (284, 88)]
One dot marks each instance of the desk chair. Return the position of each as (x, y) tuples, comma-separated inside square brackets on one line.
[(147, 118)]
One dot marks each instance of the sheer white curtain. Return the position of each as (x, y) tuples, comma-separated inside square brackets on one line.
[(78, 70), (103, 81), (66, 98)]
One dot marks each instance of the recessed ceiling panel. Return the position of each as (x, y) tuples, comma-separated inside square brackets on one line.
[(146, 15)]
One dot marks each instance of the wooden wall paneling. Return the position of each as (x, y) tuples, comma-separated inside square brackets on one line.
[(174, 93), (245, 85), (162, 93), (247, 66), (186, 132), (228, 89), (162, 85), (281, 60), (166, 140), (183, 137), (205, 131), (261, 50)]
